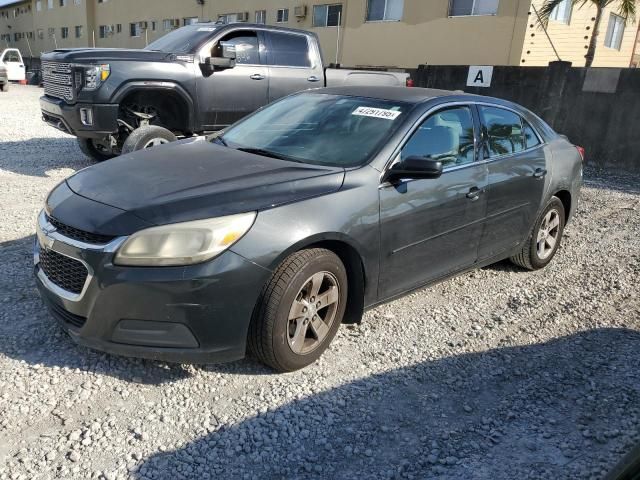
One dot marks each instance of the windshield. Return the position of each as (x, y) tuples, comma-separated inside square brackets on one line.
[(183, 40), (318, 128)]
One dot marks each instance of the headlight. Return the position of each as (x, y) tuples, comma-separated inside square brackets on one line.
[(95, 75), (183, 243)]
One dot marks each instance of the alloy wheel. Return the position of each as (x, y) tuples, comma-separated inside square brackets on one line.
[(313, 312), (548, 234), (154, 142)]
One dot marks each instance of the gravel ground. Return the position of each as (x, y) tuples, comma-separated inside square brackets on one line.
[(496, 374)]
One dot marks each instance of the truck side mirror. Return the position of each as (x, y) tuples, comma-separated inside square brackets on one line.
[(218, 63)]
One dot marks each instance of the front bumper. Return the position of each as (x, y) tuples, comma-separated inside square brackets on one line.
[(65, 117), (195, 314)]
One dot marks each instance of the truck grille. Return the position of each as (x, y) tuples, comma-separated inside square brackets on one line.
[(77, 234), (58, 80), (65, 272)]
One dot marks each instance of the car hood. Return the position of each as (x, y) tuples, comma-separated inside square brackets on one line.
[(97, 55), (191, 180)]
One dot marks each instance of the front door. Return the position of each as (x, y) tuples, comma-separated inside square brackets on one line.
[(432, 228), (517, 170), (226, 96), (15, 66)]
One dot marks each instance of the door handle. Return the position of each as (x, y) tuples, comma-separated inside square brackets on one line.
[(313, 78), (474, 194), (257, 76), (539, 173)]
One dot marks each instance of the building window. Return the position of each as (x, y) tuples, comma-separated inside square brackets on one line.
[(64, 32), (153, 26), (282, 15), (118, 28), (77, 2), (52, 32), (63, 3), (615, 31), (384, 10), (261, 16), (49, 4), (78, 31), (40, 33), (327, 15), (134, 29), (190, 20), (167, 24), (562, 13), (102, 31), (459, 8)]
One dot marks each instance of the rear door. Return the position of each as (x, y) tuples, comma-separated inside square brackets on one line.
[(432, 228), (517, 168), (226, 96), (15, 66), (294, 63)]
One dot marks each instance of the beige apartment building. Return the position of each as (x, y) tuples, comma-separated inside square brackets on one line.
[(390, 33)]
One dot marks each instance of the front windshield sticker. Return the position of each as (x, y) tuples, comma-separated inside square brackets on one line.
[(207, 29), (376, 113)]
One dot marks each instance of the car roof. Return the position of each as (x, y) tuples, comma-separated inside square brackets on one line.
[(398, 94)]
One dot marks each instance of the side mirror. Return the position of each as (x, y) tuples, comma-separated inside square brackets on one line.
[(218, 63), (416, 168)]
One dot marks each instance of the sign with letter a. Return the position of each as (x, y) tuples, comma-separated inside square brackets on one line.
[(479, 76)]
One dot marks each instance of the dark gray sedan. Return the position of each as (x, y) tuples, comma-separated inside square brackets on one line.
[(297, 219)]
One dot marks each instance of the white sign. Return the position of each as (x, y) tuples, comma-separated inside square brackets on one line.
[(479, 76), (376, 113)]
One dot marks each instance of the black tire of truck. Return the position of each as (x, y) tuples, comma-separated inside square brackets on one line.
[(90, 150), (4, 87), (148, 136)]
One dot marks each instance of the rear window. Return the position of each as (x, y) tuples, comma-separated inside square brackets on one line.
[(288, 49)]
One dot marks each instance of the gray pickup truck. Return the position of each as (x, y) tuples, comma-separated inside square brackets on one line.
[(196, 79)]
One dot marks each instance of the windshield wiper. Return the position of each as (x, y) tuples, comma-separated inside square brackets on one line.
[(264, 153), (220, 140)]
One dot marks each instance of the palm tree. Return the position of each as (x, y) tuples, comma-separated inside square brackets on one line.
[(626, 9)]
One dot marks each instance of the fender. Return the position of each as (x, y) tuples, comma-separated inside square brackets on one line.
[(369, 266), (137, 85)]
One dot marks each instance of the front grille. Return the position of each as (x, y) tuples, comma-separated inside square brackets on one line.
[(65, 316), (77, 234), (58, 80), (65, 272)]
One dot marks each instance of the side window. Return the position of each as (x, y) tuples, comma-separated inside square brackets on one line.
[(503, 132), (246, 45), (530, 137), (446, 135), (289, 50)]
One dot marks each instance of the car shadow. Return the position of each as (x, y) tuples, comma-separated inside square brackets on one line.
[(550, 410), (28, 332), (37, 156)]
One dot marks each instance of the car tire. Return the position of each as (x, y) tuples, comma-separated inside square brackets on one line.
[(90, 150), (147, 137), (545, 237), (4, 87), (288, 330)]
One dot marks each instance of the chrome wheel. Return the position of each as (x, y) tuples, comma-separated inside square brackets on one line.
[(313, 312), (154, 142), (548, 234)]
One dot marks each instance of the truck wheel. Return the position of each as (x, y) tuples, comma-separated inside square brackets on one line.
[(147, 137), (4, 87), (300, 310), (91, 150)]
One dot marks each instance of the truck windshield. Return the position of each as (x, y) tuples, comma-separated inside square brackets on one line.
[(319, 128), (183, 40)]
